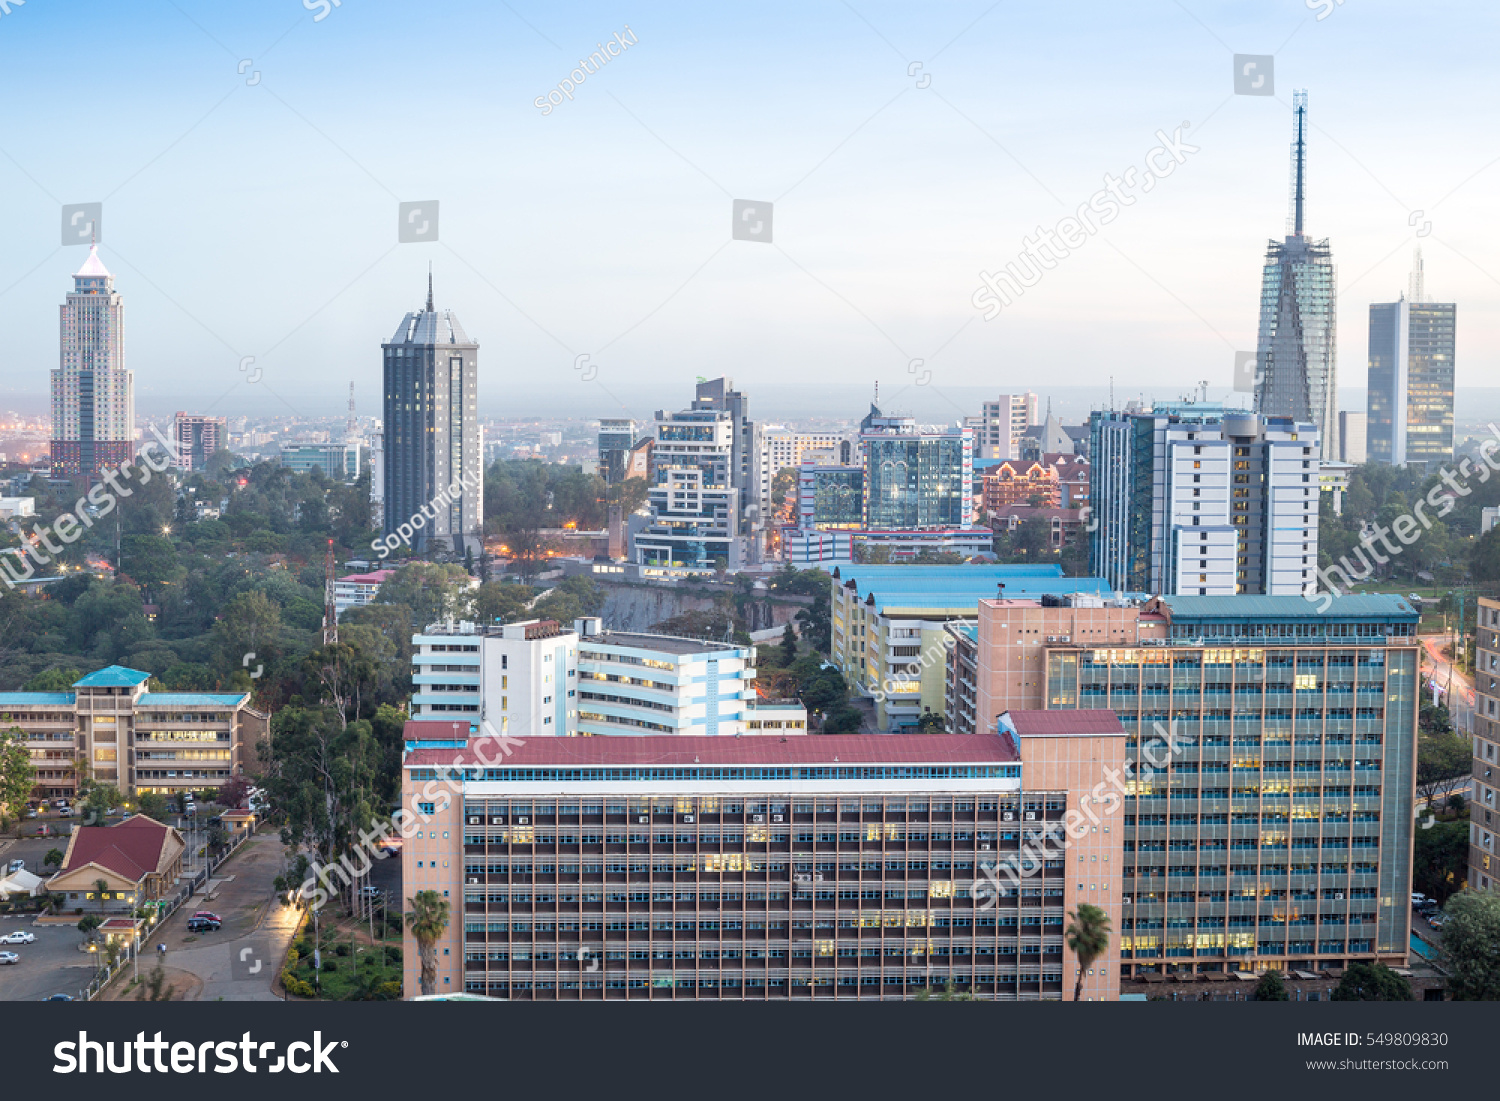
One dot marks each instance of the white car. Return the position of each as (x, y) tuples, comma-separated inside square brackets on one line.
[(9, 957), (20, 936)]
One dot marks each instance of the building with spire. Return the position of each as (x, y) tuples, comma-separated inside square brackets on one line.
[(1410, 402), (1296, 363), (93, 395), (431, 449)]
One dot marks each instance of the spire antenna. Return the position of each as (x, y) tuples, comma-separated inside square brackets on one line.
[(429, 287), (1299, 159)]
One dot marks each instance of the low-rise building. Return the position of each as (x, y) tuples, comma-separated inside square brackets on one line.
[(138, 860), (139, 741), (358, 589)]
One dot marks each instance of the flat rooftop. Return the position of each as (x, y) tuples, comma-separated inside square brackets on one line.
[(1384, 607), (666, 644), (675, 751)]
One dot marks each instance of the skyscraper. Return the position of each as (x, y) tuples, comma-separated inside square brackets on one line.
[(1200, 501), (197, 437), (616, 437), (1411, 378), (695, 504), (916, 477), (431, 432), (93, 395), (1297, 375)]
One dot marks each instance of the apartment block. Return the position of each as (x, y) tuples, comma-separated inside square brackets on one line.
[(1203, 501), (1484, 814), (1278, 830), (889, 637), (838, 867), (694, 499), (139, 741), (519, 679)]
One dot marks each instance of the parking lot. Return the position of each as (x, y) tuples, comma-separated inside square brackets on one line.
[(50, 965)]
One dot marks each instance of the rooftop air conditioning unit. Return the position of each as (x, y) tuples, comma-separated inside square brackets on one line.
[(687, 818)]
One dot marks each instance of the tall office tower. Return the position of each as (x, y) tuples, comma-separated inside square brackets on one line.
[(998, 430), (1274, 827), (197, 437), (916, 477), (1484, 809), (432, 443), (1411, 378), (1296, 359), (1352, 437), (93, 395), (720, 394), (616, 437), (1197, 500), (695, 505)]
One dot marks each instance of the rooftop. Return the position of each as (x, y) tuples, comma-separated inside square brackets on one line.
[(376, 577), (113, 676), (1367, 606), (669, 751), (958, 587), (36, 699), (132, 848), (193, 699), (1062, 724), (666, 644)]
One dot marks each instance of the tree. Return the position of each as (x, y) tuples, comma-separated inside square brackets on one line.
[(17, 776), (233, 791), (931, 722), (1440, 858), (949, 994), (53, 680), (1271, 988), (87, 926), (1088, 939), (1371, 982), (150, 561), (496, 602), (101, 799), (250, 624), (1443, 762), (427, 918), (1472, 940), (433, 592), (788, 645), (54, 858), (152, 804)]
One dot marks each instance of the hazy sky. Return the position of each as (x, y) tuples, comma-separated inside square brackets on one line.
[(260, 219)]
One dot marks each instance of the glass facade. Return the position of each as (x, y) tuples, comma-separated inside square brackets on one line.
[(1296, 361), (917, 481), (1278, 832)]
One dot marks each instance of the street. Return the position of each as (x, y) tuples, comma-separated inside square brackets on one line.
[(1437, 669)]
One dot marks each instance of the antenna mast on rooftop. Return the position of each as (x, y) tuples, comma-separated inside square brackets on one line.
[(330, 610), (1299, 159)]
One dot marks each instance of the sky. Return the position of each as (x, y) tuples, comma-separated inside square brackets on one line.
[(251, 158)]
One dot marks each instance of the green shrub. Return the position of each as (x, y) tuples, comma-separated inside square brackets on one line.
[(392, 955), (341, 950), (391, 989)]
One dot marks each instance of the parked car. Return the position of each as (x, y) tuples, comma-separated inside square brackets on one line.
[(31, 813), (370, 892), (1417, 898), (65, 812), (202, 925), (9, 957), (15, 866), (20, 936), (209, 914), (59, 998)]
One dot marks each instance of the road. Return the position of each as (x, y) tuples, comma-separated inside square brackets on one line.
[(240, 961), (1437, 668)]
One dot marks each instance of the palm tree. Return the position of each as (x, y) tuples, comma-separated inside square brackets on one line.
[(1088, 939), (427, 918)]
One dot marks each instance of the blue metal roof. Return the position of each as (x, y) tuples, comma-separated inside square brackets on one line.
[(911, 586), (1359, 606), (192, 699), (113, 676), (36, 699)]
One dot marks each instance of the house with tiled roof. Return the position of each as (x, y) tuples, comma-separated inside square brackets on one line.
[(138, 860), (136, 739)]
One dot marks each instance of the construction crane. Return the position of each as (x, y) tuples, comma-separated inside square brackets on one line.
[(330, 611)]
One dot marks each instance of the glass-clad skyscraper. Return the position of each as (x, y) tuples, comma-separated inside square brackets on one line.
[(1296, 360), (916, 477), (1410, 399)]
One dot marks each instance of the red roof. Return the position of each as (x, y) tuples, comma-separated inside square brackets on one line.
[(439, 730), (674, 750), (376, 578), (133, 848), (1066, 724)]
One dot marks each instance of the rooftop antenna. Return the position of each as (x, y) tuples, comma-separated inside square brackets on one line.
[(429, 287), (1204, 383), (1417, 291), (1299, 158)]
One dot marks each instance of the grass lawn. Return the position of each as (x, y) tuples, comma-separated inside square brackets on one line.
[(351, 971)]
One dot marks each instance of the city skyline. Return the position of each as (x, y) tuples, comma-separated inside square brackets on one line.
[(869, 271)]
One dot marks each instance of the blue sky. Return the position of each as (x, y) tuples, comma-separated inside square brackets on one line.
[(260, 220)]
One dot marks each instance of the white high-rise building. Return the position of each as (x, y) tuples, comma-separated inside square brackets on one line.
[(93, 395), (784, 448), (998, 431), (1205, 502), (518, 679), (695, 503)]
